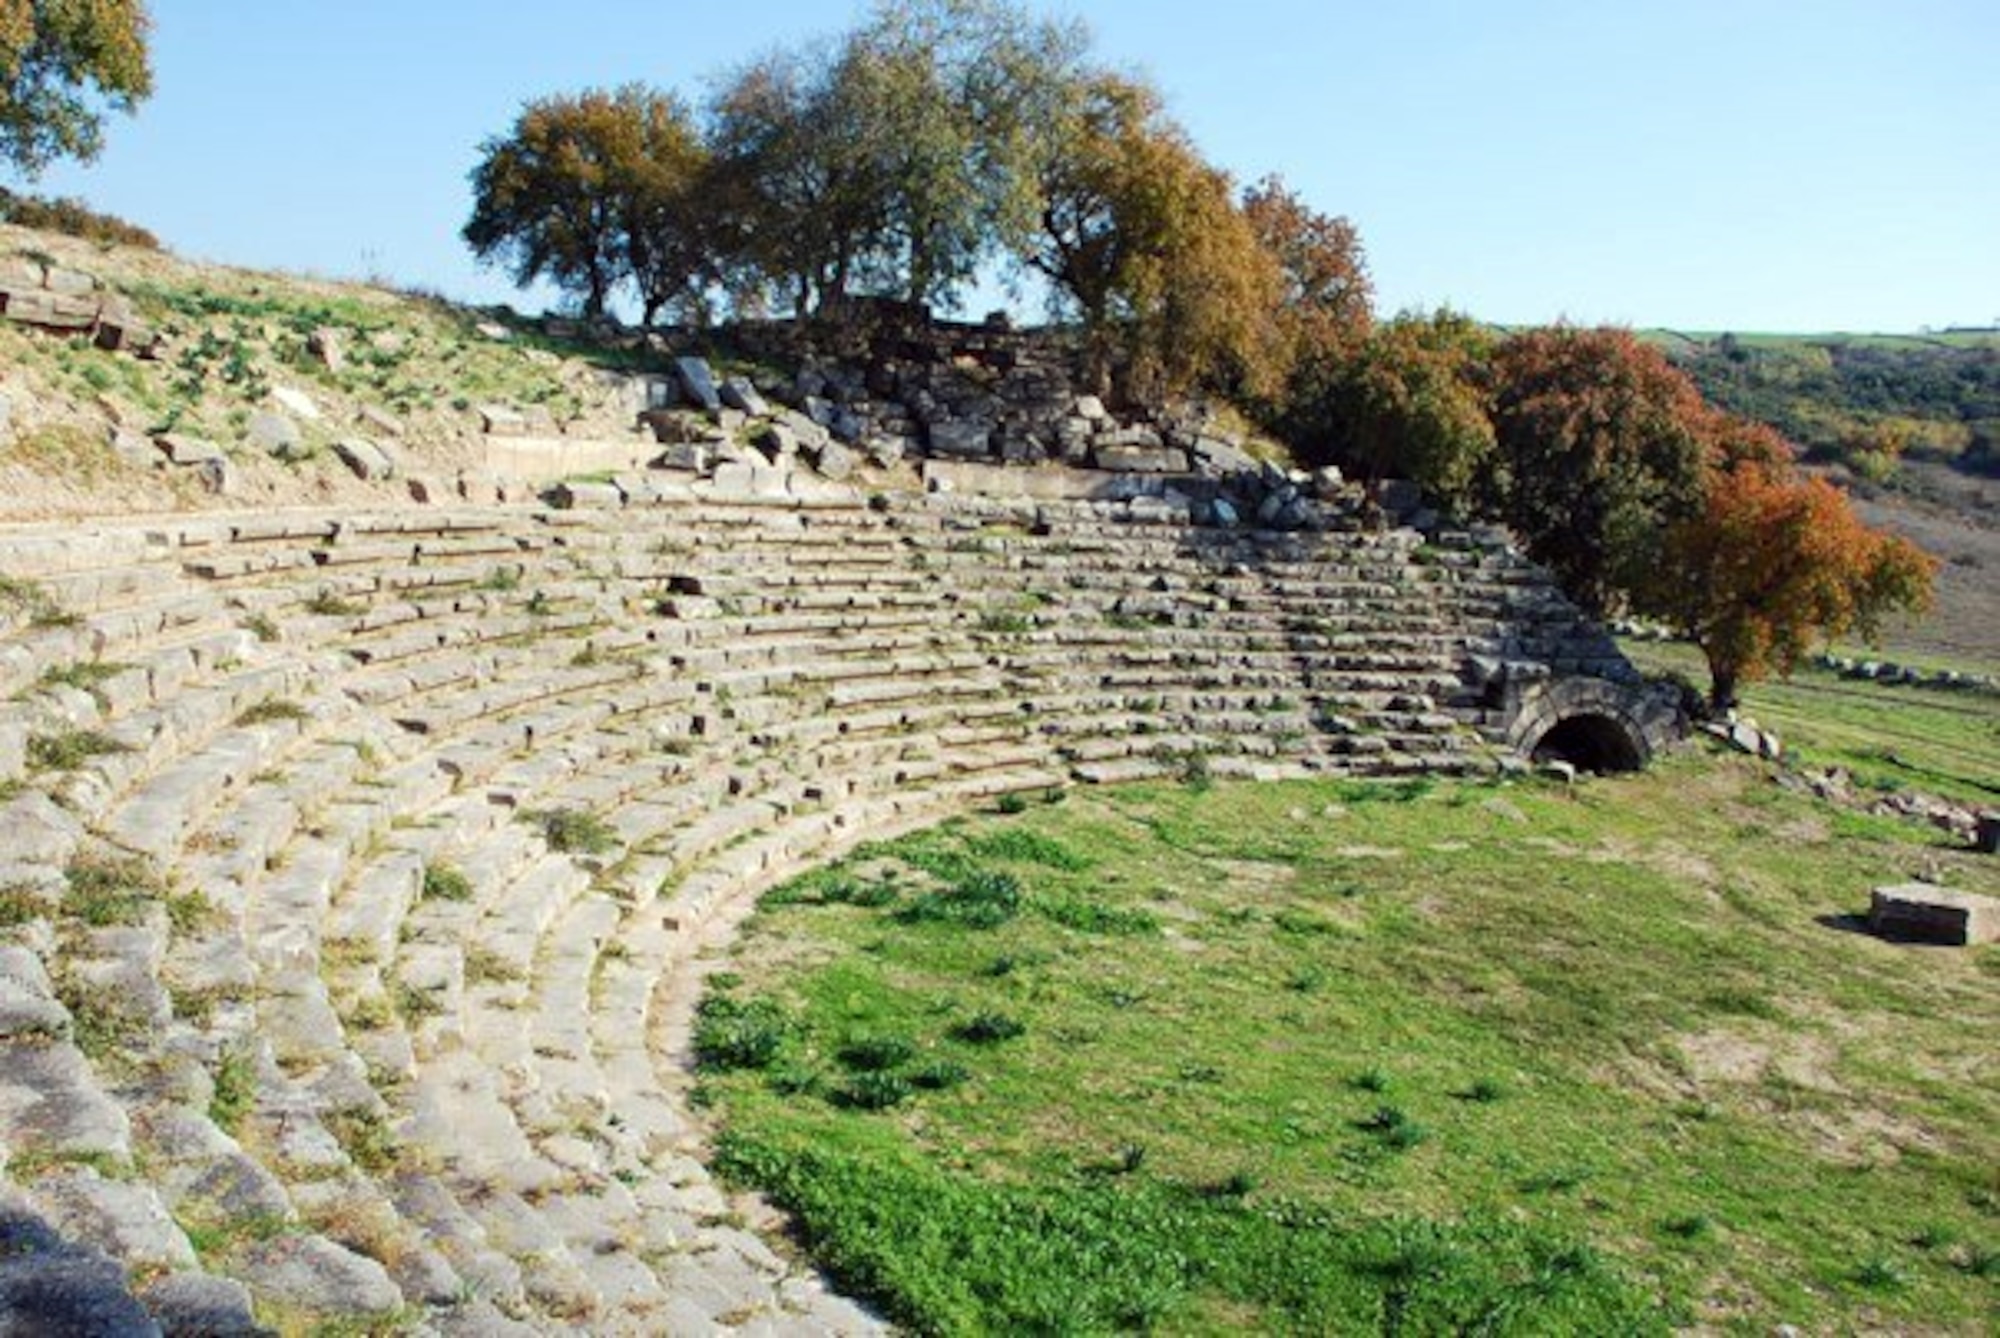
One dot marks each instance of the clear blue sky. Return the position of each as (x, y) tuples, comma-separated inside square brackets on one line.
[(1745, 164)]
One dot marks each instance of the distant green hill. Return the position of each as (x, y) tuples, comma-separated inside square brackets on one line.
[(1848, 396)]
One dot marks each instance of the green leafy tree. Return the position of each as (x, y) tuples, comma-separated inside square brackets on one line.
[(563, 194), (672, 232), (1142, 242), (63, 63), (891, 161), (1412, 402)]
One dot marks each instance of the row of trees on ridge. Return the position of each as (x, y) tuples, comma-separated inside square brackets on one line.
[(939, 141)]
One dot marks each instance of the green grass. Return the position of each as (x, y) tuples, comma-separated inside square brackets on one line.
[(1926, 739), (1602, 1060)]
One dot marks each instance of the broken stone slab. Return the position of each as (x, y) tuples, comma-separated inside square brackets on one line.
[(314, 1274), (217, 476), (808, 433), (571, 496), (970, 438), (739, 393), (296, 402), (368, 460), (52, 311), (1137, 435), (68, 282), (133, 449), (497, 420), (1216, 456), (124, 1219), (687, 456), (1091, 409), (276, 436), (835, 461), (1930, 914), (381, 420), (50, 1101), (182, 449), (886, 451), (1986, 835), (698, 382), (1124, 459), (324, 345), (202, 1303)]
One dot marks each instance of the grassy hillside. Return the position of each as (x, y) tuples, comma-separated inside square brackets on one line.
[(1346, 1058), (1934, 394)]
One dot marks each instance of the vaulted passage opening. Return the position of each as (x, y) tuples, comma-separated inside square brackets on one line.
[(1593, 743)]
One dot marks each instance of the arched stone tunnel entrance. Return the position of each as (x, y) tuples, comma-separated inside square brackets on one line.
[(1595, 743), (1594, 724)]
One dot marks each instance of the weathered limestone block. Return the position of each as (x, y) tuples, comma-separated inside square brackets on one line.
[(368, 459), (325, 347), (1133, 459), (276, 435), (698, 382), (835, 461), (967, 437), (314, 1274), (497, 420), (1934, 915), (295, 401), (575, 495), (739, 393)]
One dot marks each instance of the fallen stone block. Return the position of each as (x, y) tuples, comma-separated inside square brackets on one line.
[(1930, 914), (968, 437), (698, 382), (1140, 459), (497, 420), (738, 393), (1986, 839), (574, 496), (182, 449), (368, 460)]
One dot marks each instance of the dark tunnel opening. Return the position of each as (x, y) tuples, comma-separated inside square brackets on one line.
[(1592, 743)]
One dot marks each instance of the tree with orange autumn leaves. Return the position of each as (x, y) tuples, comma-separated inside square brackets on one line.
[(1772, 562), (1639, 494)]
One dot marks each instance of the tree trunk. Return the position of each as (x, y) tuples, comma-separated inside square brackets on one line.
[(1721, 688)]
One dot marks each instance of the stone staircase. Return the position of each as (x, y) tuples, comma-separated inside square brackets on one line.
[(356, 872)]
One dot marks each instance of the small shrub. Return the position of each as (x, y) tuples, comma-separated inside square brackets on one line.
[(260, 626), (1374, 1078), (1692, 1226), (989, 1029), (1012, 804), (366, 1138), (235, 1089), (1090, 917), (874, 1054), (573, 830), (1485, 1091), (109, 890), (1196, 773), (1025, 847), (85, 676), (1394, 1127), (874, 1091), (445, 882), (735, 1034), (1881, 1275), (937, 1075), (273, 710), (73, 218), (25, 599), (978, 900), (331, 604), (70, 749)]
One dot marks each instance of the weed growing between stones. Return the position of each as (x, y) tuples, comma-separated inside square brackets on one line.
[(70, 749), (444, 882), (572, 830), (273, 710), (235, 1089)]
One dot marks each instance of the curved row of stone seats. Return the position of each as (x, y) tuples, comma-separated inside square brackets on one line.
[(447, 826)]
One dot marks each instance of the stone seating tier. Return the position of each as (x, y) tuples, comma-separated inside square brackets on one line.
[(433, 812)]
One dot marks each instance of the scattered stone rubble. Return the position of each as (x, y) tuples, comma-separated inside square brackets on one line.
[(70, 302)]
